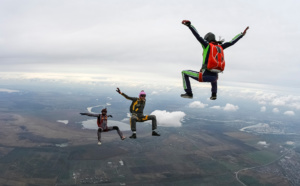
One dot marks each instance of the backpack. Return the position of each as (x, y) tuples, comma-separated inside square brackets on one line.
[(216, 61)]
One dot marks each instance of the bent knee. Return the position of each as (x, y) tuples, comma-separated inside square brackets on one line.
[(152, 117), (133, 118), (116, 127), (183, 72)]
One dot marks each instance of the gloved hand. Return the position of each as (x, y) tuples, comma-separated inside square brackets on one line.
[(244, 33), (119, 91), (186, 22), (109, 116)]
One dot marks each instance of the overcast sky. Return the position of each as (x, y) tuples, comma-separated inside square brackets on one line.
[(145, 39)]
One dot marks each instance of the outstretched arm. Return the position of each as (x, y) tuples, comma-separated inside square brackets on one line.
[(203, 42), (123, 94), (90, 114), (235, 39)]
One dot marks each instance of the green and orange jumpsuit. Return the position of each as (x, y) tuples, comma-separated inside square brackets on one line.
[(204, 75)]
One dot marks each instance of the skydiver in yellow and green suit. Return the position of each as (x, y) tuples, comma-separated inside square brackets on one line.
[(137, 115)]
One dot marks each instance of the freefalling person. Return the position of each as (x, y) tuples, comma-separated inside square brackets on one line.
[(205, 74), (102, 124), (137, 115)]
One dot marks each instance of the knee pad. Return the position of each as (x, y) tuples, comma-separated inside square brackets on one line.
[(115, 127)]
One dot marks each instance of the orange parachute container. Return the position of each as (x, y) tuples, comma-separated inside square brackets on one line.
[(216, 61)]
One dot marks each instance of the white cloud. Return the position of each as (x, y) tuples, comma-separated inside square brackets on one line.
[(289, 113), (227, 107), (278, 102), (263, 143), (216, 107), (197, 104), (154, 93), (8, 90), (290, 143), (295, 105), (263, 109), (169, 119), (264, 98), (230, 107), (275, 110)]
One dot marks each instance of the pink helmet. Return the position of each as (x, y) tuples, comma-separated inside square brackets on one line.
[(142, 93)]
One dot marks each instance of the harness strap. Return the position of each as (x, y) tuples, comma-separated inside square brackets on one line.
[(200, 77)]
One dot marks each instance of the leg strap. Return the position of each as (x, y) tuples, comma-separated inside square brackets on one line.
[(200, 77)]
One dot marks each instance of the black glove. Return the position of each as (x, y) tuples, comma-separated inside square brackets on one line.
[(109, 116), (119, 91), (186, 22)]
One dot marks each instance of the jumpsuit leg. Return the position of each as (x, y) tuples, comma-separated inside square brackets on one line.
[(213, 81), (99, 134), (214, 86), (153, 118), (115, 128), (133, 120), (186, 74)]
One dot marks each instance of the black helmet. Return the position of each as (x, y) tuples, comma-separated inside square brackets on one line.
[(210, 37)]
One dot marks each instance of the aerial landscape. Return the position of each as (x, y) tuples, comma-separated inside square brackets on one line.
[(47, 143), (233, 125)]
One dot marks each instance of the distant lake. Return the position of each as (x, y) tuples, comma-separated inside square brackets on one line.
[(63, 121)]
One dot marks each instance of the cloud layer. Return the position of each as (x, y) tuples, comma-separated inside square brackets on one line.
[(276, 100), (124, 37)]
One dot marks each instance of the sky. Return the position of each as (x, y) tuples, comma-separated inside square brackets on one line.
[(139, 41)]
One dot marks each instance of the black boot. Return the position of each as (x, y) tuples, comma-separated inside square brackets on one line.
[(213, 96), (133, 136), (154, 133), (187, 95)]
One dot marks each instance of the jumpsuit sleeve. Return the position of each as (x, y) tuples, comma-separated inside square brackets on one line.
[(90, 114), (203, 42), (233, 41), (127, 97)]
